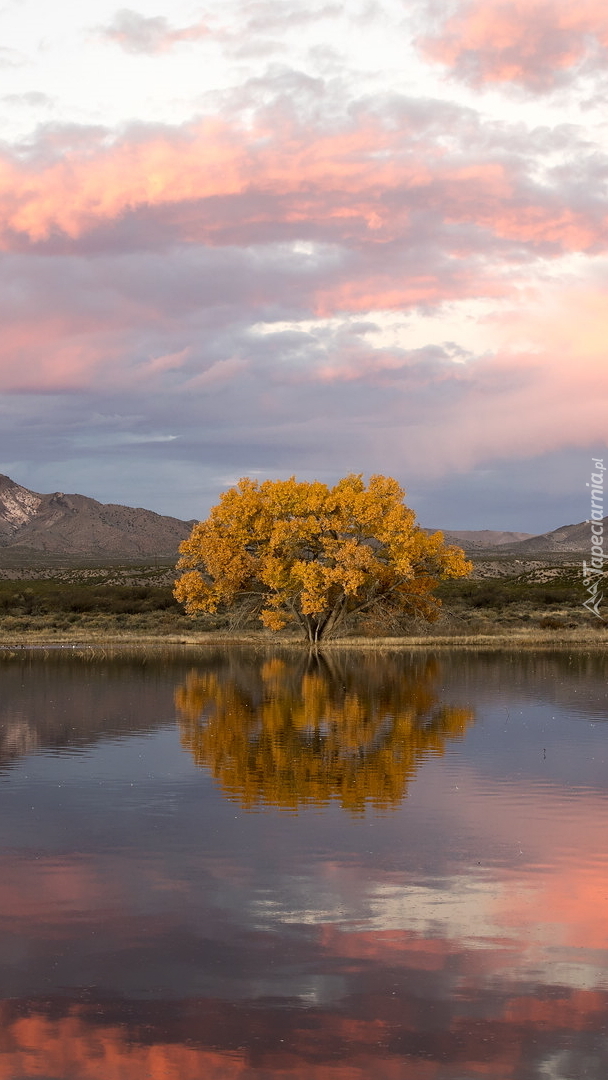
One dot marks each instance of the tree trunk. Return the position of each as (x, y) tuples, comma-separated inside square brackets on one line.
[(327, 623)]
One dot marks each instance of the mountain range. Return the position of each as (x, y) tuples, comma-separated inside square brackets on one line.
[(76, 526), (568, 538)]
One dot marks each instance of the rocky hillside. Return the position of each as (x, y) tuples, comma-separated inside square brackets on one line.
[(482, 539), (568, 538), (74, 525), (575, 538)]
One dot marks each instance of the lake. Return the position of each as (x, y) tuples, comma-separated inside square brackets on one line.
[(233, 864)]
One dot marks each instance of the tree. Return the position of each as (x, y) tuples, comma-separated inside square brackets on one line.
[(311, 729), (312, 555)]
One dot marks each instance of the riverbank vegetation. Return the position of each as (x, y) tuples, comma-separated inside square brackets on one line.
[(80, 604)]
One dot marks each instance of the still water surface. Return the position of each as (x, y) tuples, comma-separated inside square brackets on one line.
[(255, 866)]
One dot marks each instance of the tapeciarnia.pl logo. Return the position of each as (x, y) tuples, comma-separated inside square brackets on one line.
[(593, 571)]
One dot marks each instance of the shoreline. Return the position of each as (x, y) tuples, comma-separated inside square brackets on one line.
[(503, 642)]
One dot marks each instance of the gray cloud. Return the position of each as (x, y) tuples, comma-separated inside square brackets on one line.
[(29, 99), (148, 35), (10, 58)]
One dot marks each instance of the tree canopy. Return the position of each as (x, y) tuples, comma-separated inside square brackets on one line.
[(309, 554), (288, 731)]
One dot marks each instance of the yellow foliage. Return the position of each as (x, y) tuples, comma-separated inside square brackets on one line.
[(314, 554), (286, 732)]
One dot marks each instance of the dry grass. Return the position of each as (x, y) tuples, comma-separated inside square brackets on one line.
[(103, 639)]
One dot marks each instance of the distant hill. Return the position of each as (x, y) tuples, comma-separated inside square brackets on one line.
[(74, 525), (568, 538), (575, 538), (480, 539)]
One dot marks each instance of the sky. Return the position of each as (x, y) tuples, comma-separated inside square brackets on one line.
[(261, 238)]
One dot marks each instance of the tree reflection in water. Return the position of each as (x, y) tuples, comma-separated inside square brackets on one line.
[(306, 730)]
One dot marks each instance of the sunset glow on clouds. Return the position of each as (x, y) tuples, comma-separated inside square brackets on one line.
[(278, 240), (536, 43)]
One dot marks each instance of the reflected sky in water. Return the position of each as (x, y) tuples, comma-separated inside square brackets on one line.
[(263, 866)]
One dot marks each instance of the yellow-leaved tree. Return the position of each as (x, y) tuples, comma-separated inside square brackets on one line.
[(312, 555)]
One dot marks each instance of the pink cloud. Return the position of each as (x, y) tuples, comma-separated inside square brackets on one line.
[(50, 354), (535, 43), (217, 182), (75, 351), (386, 291), (543, 387), (516, 405), (553, 393)]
